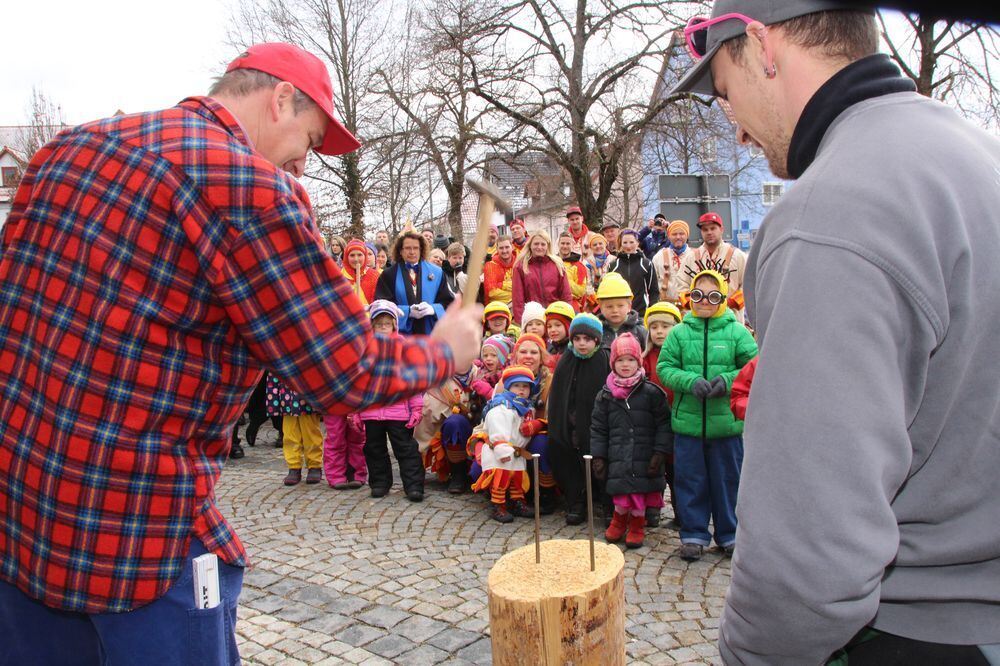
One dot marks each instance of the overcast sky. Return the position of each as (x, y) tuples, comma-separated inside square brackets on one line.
[(97, 56)]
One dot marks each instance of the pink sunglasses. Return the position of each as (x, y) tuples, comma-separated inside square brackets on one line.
[(696, 32)]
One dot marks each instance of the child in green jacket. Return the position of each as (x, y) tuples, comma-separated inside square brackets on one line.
[(699, 360)]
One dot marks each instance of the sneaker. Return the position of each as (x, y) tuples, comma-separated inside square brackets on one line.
[(315, 475), (690, 552), (500, 514), (354, 485), (380, 492), (236, 452), (415, 495), (293, 478), (729, 550), (520, 509)]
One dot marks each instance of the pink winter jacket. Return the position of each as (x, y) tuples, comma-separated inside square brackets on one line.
[(544, 283), (397, 411)]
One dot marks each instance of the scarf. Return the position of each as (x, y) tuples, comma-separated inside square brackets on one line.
[(679, 251), (520, 405), (621, 387), (867, 78), (581, 356), (600, 259)]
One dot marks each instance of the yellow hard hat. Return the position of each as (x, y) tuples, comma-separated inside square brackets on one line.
[(561, 308), (495, 308), (613, 285), (662, 307)]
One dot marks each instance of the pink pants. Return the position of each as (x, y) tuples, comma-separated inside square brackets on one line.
[(344, 444)]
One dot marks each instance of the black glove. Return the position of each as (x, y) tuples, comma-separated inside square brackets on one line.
[(655, 468), (718, 387), (600, 468), (700, 388)]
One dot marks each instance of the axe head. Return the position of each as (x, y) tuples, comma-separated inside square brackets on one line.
[(488, 189)]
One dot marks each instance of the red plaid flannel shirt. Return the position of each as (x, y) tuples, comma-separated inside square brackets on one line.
[(151, 265)]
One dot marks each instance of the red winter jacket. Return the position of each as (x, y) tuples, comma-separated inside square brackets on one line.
[(544, 283), (649, 365), (740, 395)]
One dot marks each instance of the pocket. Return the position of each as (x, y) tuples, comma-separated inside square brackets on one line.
[(207, 639)]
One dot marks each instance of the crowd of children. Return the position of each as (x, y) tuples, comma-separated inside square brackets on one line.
[(638, 384)]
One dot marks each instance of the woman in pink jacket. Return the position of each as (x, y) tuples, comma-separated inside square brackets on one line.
[(539, 275), (395, 421)]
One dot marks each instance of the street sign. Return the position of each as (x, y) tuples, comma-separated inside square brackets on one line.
[(687, 197)]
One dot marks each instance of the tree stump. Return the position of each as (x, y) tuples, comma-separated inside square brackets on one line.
[(558, 612)]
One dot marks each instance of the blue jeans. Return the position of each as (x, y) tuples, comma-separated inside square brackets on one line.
[(168, 631), (706, 480)]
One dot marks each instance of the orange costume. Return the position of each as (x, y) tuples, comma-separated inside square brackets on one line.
[(364, 286), (498, 280)]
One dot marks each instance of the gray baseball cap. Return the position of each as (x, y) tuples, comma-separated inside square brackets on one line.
[(698, 79)]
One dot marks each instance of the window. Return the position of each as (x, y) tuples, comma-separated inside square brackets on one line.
[(8, 176), (709, 151), (773, 192)]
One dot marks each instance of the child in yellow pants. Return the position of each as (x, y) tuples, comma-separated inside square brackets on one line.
[(302, 436)]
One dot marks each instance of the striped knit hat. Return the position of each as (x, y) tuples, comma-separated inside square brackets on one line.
[(500, 344), (516, 373), (587, 324)]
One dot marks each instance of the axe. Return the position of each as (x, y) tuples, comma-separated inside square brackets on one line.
[(490, 200)]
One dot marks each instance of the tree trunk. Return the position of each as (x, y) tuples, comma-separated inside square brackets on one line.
[(558, 612), (355, 195)]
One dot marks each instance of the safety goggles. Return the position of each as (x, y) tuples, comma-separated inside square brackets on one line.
[(713, 297), (696, 32)]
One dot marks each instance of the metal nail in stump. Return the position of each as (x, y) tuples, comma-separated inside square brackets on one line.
[(538, 512), (590, 509)]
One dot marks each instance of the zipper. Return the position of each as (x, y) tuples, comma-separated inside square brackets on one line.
[(704, 373)]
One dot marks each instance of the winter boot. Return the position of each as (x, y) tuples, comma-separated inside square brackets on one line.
[(616, 530), (653, 517), (636, 531), (315, 475), (500, 514), (547, 501), (459, 481), (293, 478)]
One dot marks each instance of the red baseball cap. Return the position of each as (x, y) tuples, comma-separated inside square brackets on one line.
[(573, 210), (307, 73), (517, 222), (710, 218)]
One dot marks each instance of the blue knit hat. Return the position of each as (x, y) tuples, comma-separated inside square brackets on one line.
[(586, 324)]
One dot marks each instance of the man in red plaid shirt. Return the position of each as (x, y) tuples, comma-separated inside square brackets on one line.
[(152, 266)]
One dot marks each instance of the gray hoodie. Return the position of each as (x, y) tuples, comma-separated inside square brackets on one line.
[(869, 485)]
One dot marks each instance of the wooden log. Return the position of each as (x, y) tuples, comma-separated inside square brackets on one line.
[(558, 611)]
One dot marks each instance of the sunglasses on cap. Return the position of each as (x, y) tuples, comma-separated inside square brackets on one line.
[(696, 31), (713, 297)]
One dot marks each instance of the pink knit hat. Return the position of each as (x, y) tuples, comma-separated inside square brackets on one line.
[(625, 344)]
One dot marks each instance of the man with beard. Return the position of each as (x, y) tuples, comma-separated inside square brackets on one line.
[(576, 271), (498, 276), (669, 262)]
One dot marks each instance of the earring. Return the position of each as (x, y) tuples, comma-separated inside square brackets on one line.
[(771, 72)]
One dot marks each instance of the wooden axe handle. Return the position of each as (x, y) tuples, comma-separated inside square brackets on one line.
[(479, 247)]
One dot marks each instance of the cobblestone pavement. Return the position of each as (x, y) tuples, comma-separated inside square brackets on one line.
[(339, 577)]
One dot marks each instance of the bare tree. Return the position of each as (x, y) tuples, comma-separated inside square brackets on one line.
[(948, 60), (347, 34), (434, 91), (44, 122), (576, 76)]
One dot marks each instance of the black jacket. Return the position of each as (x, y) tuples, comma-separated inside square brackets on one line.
[(627, 432), (632, 324), (575, 384), (638, 271)]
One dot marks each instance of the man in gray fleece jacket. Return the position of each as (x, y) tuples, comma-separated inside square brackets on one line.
[(869, 516)]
